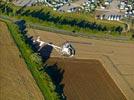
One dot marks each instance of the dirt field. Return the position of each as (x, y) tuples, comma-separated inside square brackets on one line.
[(86, 80), (16, 82), (116, 57)]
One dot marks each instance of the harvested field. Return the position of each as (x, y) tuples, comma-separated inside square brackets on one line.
[(16, 82), (84, 79)]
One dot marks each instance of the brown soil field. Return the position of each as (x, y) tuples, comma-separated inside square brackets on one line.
[(117, 58), (85, 80), (16, 82)]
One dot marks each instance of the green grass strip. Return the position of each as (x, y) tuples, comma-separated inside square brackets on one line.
[(42, 79)]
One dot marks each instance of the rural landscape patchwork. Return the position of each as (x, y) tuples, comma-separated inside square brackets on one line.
[(66, 49)]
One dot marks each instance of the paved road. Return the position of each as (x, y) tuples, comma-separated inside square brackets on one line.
[(72, 5), (114, 5), (63, 8), (112, 10), (24, 2)]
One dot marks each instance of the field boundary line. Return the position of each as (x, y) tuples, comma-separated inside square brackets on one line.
[(76, 34), (115, 74)]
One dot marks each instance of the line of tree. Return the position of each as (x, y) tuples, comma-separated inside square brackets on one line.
[(33, 61), (77, 20)]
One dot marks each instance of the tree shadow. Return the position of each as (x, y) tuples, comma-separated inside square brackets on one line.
[(22, 26), (20, 11), (45, 52), (56, 74), (34, 46), (48, 16), (54, 71)]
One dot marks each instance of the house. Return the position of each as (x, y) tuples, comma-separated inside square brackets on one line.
[(107, 3)]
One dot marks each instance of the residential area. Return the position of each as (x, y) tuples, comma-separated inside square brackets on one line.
[(105, 9)]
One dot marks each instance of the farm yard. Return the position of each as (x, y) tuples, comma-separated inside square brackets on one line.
[(116, 58), (16, 82)]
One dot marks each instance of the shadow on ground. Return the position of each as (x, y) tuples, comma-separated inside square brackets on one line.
[(54, 71)]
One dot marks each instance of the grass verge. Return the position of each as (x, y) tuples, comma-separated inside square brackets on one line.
[(42, 79)]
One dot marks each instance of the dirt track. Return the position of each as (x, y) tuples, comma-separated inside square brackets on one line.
[(16, 82), (86, 80), (116, 57)]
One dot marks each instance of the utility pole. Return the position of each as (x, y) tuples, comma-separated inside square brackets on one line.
[(5, 7)]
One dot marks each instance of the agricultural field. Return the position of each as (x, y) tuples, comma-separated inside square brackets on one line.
[(115, 56), (101, 69), (85, 80), (16, 82)]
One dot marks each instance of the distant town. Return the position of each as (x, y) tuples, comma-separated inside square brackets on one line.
[(105, 9)]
